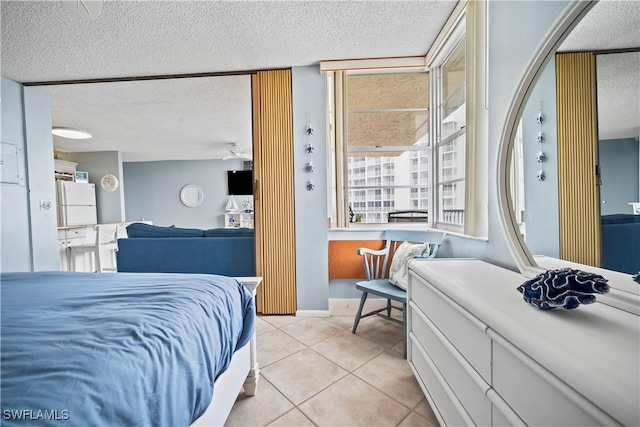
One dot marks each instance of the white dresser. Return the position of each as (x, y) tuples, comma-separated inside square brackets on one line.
[(485, 357)]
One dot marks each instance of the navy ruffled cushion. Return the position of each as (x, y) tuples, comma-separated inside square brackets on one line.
[(565, 287), (140, 229)]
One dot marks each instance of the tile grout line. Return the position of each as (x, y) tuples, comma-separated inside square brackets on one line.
[(348, 372)]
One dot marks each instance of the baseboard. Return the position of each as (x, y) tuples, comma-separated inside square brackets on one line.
[(312, 313), (344, 307), (349, 306)]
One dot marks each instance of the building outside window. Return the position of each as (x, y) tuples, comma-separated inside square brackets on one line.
[(386, 138)]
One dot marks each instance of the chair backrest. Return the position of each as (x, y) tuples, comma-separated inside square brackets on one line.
[(435, 238), (106, 235), (106, 241), (376, 263)]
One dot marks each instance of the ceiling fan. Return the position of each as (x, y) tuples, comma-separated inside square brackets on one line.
[(237, 152)]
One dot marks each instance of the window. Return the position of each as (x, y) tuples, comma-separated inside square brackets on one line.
[(449, 94), (386, 118), (404, 131)]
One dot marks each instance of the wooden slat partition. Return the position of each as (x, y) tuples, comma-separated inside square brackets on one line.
[(577, 158), (274, 192)]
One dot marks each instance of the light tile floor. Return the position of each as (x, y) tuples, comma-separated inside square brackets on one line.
[(315, 372)]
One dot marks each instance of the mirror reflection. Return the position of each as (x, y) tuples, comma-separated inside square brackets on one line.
[(574, 174)]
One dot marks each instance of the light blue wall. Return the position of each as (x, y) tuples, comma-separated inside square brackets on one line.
[(15, 247), (619, 171), (28, 239), (152, 191), (541, 197), (312, 277), (515, 30), (110, 205), (40, 172)]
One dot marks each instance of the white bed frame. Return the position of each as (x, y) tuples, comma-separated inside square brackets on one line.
[(242, 372)]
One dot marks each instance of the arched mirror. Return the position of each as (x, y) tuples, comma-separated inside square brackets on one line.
[(570, 148)]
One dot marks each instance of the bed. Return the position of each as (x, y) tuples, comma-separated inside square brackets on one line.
[(125, 348)]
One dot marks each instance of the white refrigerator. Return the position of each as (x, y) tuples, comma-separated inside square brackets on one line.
[(76, 203)]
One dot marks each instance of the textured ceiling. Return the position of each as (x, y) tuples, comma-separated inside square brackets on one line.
[(156, 119), (610, 24), (174, 119), (41, 40), (618, 78), (613, 25), (185, 118)]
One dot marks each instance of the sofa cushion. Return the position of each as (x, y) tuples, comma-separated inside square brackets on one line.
[(228, 256), (229, 232), (619, 219), (139, 229)]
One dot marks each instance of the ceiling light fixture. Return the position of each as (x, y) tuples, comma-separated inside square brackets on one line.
[(71, 133), (87, 9)]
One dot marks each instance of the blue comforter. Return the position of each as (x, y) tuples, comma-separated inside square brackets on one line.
[(123, 349)]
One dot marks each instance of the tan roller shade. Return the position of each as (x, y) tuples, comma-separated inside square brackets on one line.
[(386, 110)]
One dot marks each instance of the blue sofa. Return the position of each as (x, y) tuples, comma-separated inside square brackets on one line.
[(154, 249), (621, 243)]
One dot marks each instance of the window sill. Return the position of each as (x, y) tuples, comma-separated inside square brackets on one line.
[(374, 231)]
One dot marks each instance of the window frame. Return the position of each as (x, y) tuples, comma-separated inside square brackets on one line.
[(461, 25), (456, 37)]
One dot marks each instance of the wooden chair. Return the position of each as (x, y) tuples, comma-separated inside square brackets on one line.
[(106, 242), (376, 266)]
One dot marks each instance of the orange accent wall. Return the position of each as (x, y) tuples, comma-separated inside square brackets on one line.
[(344, 261)]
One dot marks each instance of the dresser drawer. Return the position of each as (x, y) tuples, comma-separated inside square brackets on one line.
[(469, 386), (528, 387), (445, 407), (465, 332)]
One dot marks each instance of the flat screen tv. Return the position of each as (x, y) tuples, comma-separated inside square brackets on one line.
[(240, 183)]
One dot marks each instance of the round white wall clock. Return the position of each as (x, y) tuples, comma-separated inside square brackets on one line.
[(109, 182), (191, 195)]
